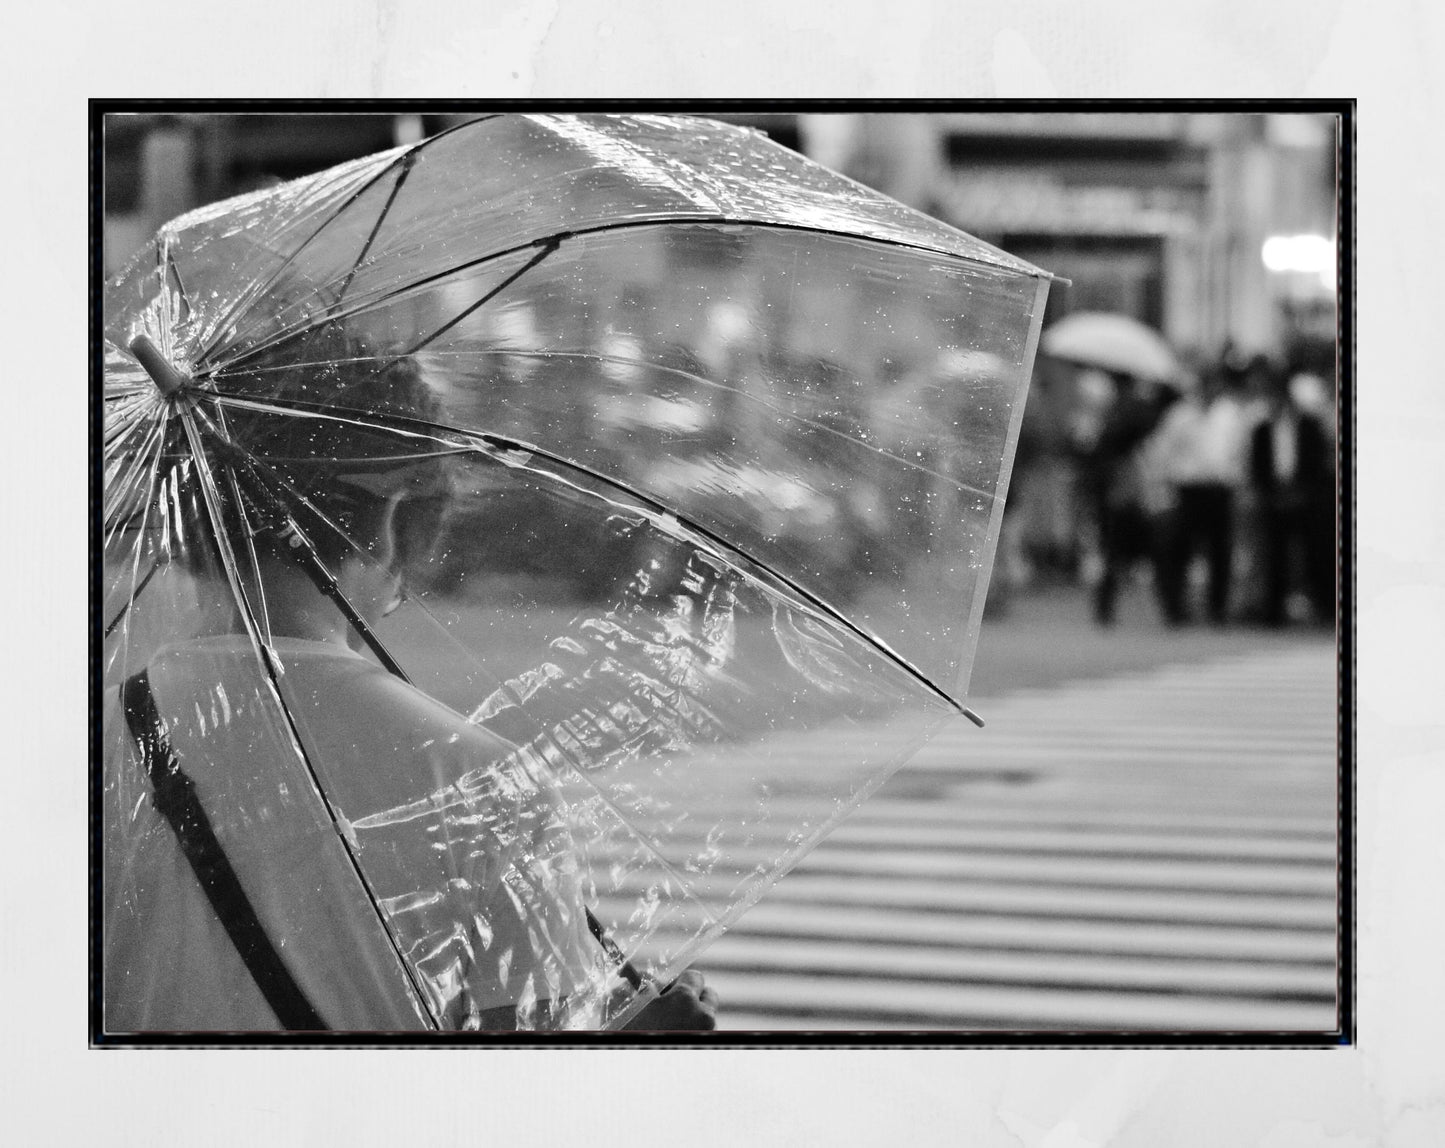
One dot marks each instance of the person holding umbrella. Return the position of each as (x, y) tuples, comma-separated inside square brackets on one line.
[(1121, 355), (624, 786), (1114, 487), (224, 921)]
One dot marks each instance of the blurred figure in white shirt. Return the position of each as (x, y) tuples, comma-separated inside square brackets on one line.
[(1200, 447)]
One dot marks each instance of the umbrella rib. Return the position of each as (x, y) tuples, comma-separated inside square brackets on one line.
[(175, 272), (114, 392), (408, 161), (130, 601), (549, 243), (141, 446), (141, 459), (123, 410), (121, 427), (158, 436), (556, 240), (546, 250), (408, 157), (213, 520), (239, 305), (137, 426), (421, 428), (321, 577), (776, 408), (326, 582), (313, 565), (317, 571)]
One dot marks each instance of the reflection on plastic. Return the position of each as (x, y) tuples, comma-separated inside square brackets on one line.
[(516, 608)]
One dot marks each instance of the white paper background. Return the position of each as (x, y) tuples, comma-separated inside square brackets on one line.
[(1389, 1090)]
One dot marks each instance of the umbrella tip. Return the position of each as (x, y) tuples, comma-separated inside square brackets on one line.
[(157, 366), (973, 717)]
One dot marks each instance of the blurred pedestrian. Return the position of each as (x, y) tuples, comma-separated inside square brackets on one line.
[(1114, 483), (1289, 470), (1156, 456), (1315, 395), (1201, 442)]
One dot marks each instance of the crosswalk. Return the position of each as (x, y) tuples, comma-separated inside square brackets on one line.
[(1151, 853)]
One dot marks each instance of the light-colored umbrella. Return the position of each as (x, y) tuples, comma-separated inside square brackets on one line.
[(1111, 342)]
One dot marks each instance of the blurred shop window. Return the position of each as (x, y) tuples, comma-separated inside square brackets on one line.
[(157, 166), (148, 175), (255, 150), (1121, 274)]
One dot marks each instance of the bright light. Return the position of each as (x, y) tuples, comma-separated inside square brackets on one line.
[(408, 129), (1312, 254)]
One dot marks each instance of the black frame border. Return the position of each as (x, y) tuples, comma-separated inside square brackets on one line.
[(1343, 1036)]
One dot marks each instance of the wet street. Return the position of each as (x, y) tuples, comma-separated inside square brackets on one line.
[(1149, 844)]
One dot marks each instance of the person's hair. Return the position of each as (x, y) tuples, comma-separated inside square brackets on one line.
[(1263, 368), (336, 478)]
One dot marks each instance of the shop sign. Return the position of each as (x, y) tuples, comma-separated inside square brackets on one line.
[(992, 202)]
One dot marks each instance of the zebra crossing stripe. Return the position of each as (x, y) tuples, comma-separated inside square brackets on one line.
[(796, 1002), (1156, 852), (937, 865), (892, 813), (1121, 903), (1032, 932), (1052, 970), (865, 835)]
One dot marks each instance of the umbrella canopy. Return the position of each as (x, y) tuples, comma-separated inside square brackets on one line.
[(1111, 343), (511, 571)]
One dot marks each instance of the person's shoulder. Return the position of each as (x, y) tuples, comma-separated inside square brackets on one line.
[(389, 701), (1312, 424)]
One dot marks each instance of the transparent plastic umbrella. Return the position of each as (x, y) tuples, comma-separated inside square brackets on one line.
[(517, 556)]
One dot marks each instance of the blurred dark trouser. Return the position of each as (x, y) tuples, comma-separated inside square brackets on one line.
[(1124, 538), (1321, 550), (1292, 539), (1202, 522)]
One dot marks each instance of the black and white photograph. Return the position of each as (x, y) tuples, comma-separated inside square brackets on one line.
[(664, 573), (722, 574)]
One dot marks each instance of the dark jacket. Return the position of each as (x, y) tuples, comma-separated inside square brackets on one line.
[(1311, 473), (1110, 469)]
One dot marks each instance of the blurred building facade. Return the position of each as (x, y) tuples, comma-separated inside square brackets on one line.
[(1164, 216), (1217, 228)]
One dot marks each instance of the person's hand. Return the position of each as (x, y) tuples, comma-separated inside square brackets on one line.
[(686, 1005)]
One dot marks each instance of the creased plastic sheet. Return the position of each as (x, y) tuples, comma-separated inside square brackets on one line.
[(565, 524)]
